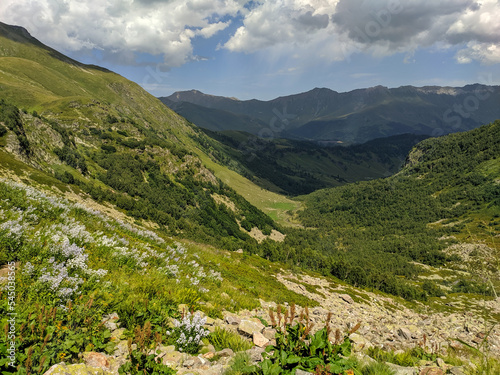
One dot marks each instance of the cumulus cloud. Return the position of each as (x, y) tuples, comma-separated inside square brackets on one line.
[(378, 27), (158, 27), (272, 23), (329, 30)]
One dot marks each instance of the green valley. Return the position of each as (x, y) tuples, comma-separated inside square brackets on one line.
[(114, 208)]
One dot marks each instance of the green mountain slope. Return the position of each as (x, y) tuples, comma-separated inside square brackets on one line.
[(94, 129), (299, 167), (448, 192)]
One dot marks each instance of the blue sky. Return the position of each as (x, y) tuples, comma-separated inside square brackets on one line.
[(262, 50)]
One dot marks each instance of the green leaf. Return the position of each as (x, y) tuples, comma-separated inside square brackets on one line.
[(283, 357), (293, 359)]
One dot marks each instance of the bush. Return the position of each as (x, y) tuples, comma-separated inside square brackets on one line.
[(141, 362), (187, 333), (108, 148), (296, 348)]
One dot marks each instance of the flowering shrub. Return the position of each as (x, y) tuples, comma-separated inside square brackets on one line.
[(188, 333)]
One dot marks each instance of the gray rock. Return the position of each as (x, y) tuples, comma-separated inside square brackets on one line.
[(302, 372), (249, 327), (404, 333), (255, 354), (441, 363), (269, 333), (232, 319), (347, 298), (225, 353), (111, 321), (457, 370), (76, 369), (399, 370)]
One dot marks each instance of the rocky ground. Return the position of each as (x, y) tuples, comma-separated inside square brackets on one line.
[(383, 322)]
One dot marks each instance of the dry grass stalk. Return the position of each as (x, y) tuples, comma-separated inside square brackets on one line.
[(271, 316), (355, 328), (292, 313)]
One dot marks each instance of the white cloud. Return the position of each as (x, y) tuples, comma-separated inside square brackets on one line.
[(121, 27), (296, 30), (286, 22), (333, 30)]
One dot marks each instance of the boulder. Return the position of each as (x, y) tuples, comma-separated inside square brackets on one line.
[(232, 319), (404, 333), (359, 342), (250, 326), (173, 359), (93, 359), (431, 371), (347, 298), (259, 339), (111, 321), (399, 370), (225, 353), (76, 369), (269, 333)]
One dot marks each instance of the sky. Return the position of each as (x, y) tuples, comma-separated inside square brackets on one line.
[(266, 49)]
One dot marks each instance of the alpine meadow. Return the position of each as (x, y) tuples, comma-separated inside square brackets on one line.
[(145, 235)]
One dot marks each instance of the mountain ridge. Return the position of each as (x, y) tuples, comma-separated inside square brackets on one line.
[(355, 116)]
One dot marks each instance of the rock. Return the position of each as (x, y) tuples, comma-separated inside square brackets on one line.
[(269, 333), (117, 334), (121, 349), (93, 359), (191, 362), (76, 369), (259, 339), (302, 372), (399, 370), (364, 359), (209, 355), (225, 353), (457, 370), (216, 369), (239, 251), (111, 321), (404, 333), (255, 354), (431, 371), (210, 321), (232, 319), (347, 298), (249, 327), (441, 363), (172, 359), (359, 342)]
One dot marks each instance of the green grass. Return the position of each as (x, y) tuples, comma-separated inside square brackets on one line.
[(222, 338)]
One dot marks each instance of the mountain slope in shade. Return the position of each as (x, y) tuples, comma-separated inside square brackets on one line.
[(351, 117)]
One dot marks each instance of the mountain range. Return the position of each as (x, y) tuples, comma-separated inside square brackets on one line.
[(112, 204), (351, 117)]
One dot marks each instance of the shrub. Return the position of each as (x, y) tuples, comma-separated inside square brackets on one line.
[(141, 362), (187, 333), (296, 348)]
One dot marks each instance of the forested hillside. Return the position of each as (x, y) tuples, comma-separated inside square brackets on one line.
[(299, 167), (107, 137)]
